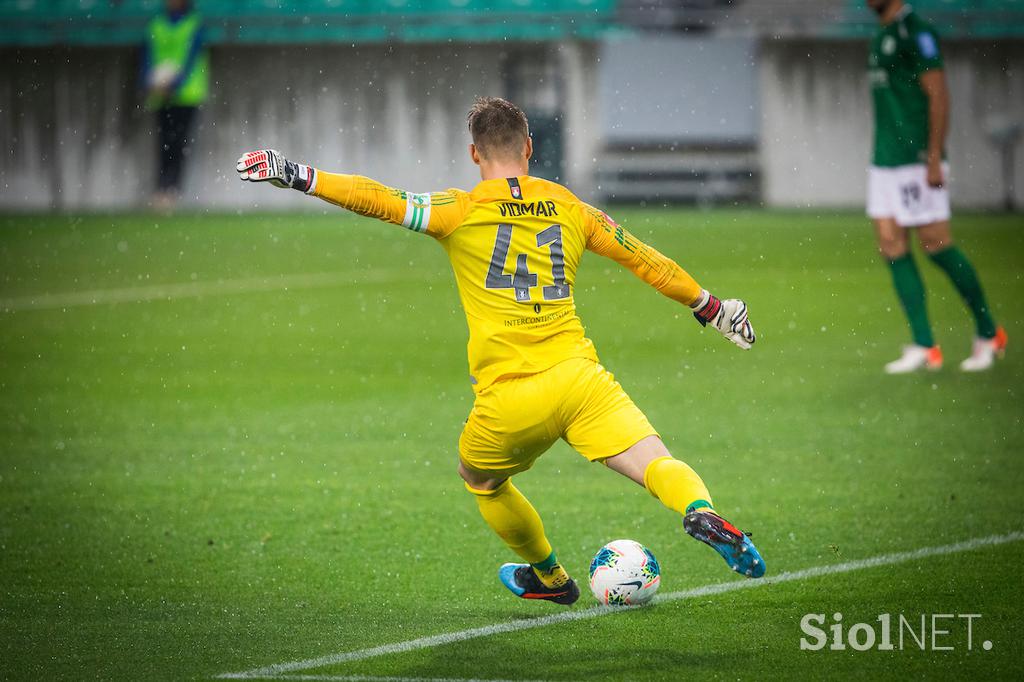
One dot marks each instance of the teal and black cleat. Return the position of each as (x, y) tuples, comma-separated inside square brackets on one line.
[(523, 582), (734, 545)]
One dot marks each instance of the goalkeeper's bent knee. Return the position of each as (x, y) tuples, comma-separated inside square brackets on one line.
[(676, 485), (513, 518)]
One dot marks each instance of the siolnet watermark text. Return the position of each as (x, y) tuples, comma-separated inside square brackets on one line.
[(893, 632)]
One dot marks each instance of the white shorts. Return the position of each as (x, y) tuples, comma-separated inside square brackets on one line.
[(903, 193)]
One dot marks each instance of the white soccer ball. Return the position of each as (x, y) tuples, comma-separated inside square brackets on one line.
[(624, 573)]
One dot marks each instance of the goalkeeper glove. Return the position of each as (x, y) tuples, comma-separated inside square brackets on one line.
[(269, 164), (729, 317)]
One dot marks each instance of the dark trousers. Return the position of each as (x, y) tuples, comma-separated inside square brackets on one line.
[(174, 125)]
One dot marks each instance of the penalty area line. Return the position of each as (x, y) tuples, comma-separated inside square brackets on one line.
[(280, 670)]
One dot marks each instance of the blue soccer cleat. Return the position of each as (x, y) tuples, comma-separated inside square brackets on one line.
[(734, 545), (523, 582)]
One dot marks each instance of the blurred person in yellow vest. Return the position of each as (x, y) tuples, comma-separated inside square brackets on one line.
[(175, 70)]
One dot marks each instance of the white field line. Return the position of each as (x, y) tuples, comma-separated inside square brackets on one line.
[(168, 292), (278, 671), (377, 678)]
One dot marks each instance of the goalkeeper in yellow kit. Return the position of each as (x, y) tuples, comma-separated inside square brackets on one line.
[(515, 243)]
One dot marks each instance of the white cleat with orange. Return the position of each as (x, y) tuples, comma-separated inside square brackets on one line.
[(985, 351), (916, 358)]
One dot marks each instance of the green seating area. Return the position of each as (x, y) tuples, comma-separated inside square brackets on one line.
[(959, 18), (120, 22), (114, 22)]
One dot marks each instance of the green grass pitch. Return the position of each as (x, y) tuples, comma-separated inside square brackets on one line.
[(245, 470)]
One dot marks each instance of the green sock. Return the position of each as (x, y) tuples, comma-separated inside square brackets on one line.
[(551, 572), (910, 289), (547, 564), (965, 279)]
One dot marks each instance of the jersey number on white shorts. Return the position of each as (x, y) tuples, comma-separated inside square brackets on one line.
[(910, 194)]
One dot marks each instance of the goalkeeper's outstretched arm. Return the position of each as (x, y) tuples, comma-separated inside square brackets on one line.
[(607, 238), (356, 193)]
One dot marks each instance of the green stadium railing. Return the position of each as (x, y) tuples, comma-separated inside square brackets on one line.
[(119, 22)]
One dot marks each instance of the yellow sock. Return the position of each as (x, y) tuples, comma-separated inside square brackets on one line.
[(676, 485), (514, 519)]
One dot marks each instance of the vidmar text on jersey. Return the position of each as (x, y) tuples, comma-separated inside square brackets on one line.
[(537, 208)]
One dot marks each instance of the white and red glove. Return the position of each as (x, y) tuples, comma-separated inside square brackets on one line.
[(269, 165), (729, 317)]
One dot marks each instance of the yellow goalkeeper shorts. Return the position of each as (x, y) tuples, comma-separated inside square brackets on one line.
[(515, 420)]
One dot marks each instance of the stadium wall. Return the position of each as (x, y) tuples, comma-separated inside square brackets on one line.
[(817, 124), (77, 138)]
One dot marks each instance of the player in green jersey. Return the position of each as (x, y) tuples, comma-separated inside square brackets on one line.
[(907, 183)]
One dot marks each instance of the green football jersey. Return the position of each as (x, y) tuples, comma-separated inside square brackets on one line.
[(900, 52)]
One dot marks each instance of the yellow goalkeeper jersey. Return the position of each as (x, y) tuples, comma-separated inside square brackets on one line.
[(515, 245)]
